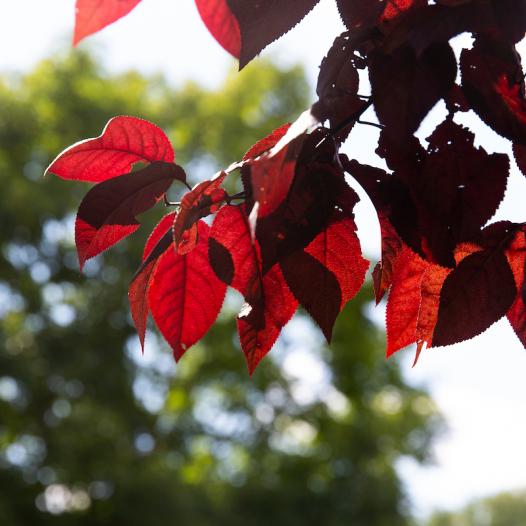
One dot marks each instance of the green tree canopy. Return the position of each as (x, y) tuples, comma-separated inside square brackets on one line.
[(91, 433), (505, 509)]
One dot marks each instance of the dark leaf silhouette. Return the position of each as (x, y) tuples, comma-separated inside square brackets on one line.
[(474, 296), (263, 22), (396, 78), (109, 211), (492, 80)]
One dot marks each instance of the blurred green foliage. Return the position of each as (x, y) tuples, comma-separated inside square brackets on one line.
[(91, 432), (505, 509)]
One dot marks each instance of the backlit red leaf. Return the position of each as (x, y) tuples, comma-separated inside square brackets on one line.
[(242, 270), (273, 174), (185, 296), (267, 143), (108, 212), (204, 199), (124, 141), (269, 304), (328, 273), (94, 15), (430, 288), (279, 307), (516, 254), (391, 246), (403, 303), (318, 191), (221, 23), (159, 241)]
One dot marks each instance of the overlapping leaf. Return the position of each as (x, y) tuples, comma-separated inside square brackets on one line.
[(108, 212), (185, 295), (204, 199), (492, 80), (474, 296), (327, 273), (158, 243), (516, 254), (268, 303), (395, 78)]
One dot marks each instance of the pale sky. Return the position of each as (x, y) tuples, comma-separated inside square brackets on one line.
[(479, 385)]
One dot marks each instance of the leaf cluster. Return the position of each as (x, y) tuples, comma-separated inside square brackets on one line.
[(289, 237)]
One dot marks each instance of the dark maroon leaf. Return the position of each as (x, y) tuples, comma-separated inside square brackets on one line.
[(405, 86), (319, 188), (337, 87), (108, 212), (492, 80), (263, 22), (474, 296)]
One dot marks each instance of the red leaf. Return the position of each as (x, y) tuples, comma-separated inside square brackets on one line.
[(492, 80), (204, 199), (232, 231), (273, 174), (403, 303), (457, 189), (261, 23), (269, 303), (315, 287), (328, 273), (124, 141), (391, 247), (185, 296), (264, 145), (338, 249), (516, 254), (108, 212), (93, 15), (279, 307), (396, 78), (474, 296), (430, 288), (159, 241), (337, 87), (221, 23)]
